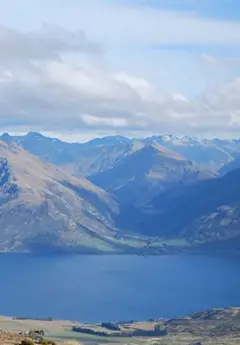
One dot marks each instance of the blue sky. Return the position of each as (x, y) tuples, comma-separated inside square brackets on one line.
[(127, 67), (222, 9)]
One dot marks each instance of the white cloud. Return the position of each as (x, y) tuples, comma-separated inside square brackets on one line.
[(48, 43), (129, 32), (132, 24), (225, 98), (104, 121), (119, 22), (208, 58), (230, 62), (55, 91)]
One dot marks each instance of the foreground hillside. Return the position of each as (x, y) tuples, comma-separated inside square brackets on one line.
[(213, 327), (41, 206)]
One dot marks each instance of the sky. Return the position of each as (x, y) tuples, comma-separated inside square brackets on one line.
[(78, 69)]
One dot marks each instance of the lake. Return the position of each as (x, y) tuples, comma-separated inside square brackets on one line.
[(116, 288)]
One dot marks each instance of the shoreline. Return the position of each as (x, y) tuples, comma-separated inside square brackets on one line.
[(196, 314), (170, 252), (213, 326)]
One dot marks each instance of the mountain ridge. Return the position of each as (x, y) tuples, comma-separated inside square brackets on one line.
[(211, 153)]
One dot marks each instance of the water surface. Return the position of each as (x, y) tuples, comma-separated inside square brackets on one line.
[(101, 288)]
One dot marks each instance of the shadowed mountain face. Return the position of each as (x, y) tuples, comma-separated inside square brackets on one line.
[(205, 212), (233, 165), (152, 169), (40, 205)]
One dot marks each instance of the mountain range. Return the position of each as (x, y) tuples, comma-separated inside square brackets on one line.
[(116, 194), (100, 154)]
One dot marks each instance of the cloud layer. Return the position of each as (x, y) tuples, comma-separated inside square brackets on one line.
[(54, 80)]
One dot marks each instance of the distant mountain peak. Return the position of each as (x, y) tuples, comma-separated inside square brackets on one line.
[(35, 135), (6, 136), (108, 140), (168, 137), (156, 148)]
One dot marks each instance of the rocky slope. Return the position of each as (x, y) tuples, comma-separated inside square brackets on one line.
[(42, 206)]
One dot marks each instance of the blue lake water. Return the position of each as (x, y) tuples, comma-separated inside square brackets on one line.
[(102, 288)]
